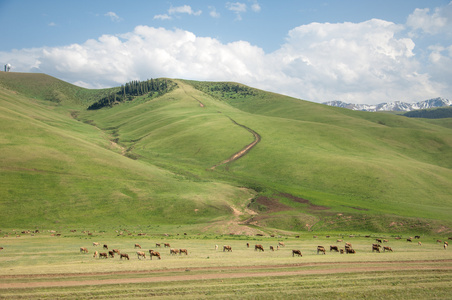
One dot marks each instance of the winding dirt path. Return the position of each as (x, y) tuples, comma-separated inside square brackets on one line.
[(231, 272), (235, 156)]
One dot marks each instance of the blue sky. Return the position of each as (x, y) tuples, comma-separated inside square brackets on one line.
[(354, 51)]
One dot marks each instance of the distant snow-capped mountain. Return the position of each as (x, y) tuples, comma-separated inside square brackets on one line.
[(393, 106)]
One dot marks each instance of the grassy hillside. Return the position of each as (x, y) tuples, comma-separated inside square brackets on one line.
[(57, 170), (150, 161), (44, 87)]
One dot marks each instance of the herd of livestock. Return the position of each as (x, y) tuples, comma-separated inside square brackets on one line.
[(140, 254), (348, 249)]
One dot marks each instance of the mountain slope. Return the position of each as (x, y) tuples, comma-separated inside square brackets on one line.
[(56, 170), (315, 167)]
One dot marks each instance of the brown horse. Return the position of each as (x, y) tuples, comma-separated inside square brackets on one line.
[(154, 253), (226, 247), (258, 247)]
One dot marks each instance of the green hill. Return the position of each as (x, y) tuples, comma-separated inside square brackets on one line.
[(157, 161)]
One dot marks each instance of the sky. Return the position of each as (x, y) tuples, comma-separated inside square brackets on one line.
[(356, 51)]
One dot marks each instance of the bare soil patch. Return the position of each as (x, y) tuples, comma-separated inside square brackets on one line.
[(272, 205), (304, 201)]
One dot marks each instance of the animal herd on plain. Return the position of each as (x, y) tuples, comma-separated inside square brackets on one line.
[(347, 249), (140, 254)]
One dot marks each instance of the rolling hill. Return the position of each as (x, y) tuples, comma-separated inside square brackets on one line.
[(159, 161)]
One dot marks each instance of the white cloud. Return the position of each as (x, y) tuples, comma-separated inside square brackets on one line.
[(255, 7), (368, 62), (439, 21), (162, 17), (51, 24), (185, 9), (238, 8), (213, 12), (113, 16)]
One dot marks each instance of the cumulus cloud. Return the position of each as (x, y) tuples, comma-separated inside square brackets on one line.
[(368, 62), (438, 21)]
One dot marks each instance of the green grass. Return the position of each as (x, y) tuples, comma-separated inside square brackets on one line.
[(411, 270), (148, 161)]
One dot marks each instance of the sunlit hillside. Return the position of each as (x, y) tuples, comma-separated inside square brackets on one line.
[(162, 160)]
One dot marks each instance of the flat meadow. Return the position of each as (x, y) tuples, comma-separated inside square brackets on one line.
[(50, 265)]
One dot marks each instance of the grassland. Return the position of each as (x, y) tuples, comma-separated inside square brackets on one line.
[(41, 266), (148, 162)]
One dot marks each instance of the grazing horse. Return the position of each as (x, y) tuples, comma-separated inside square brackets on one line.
[(409, 240), (157, 245), (419, 243), (183, 251), (154, 253), (83, 249), (95, 254), (339, 240), (124, 255), (116, 251), (137, 246), (95, 244), (174, 251), (227, 247), (297, 252), (321, 249), (342, 251), (141, 254), (258, 247), (385, 248), (271, 248), (111, 254), (103, 255), (376, 247), (281, 244), (378, 241), (105, 246), (350, 250), (348, 245), (247, 245), (167, 245), (445, 246), (417, 237), (335, 248)]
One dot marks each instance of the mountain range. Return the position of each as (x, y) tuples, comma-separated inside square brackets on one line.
[(393, 106)]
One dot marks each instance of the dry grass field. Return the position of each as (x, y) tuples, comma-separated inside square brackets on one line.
[(42, 266)]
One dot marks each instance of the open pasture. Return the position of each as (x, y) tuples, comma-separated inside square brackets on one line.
[(45, 266)]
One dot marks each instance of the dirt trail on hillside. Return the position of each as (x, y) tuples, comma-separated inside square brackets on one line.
[(242, 152), (235, 156), (223, 273)]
